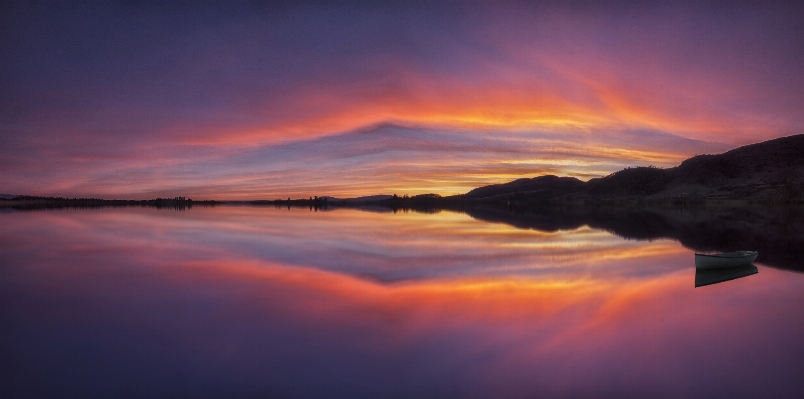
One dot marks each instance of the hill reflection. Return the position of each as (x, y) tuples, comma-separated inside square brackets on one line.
[(244, 301), (776, 232)]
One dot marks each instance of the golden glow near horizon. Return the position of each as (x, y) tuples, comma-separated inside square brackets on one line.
[(478, 137), (442, 109)]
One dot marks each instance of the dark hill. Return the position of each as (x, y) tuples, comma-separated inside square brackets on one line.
[(548, 185), (772, 155), (771, 170)]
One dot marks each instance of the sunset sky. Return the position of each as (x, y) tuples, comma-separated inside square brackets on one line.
[(278, 100)]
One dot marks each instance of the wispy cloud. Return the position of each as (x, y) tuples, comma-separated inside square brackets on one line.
[(138, 100), (382, 159)]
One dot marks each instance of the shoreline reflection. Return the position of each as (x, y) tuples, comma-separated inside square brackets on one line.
[(245, 302)]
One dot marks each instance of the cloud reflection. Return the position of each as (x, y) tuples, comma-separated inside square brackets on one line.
[(156, 303), (243, 301)]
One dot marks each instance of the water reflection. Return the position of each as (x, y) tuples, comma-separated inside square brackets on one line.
[(777, 232), (244, 302), (713, 276)]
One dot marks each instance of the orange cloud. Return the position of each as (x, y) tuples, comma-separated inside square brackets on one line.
[(589, 99)]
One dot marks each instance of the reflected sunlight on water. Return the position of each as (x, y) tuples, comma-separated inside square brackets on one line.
[(259, 301)]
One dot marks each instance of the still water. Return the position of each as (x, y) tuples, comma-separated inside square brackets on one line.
[(240, 301)]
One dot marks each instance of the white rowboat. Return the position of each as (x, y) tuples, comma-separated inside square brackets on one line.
[(725, 260)]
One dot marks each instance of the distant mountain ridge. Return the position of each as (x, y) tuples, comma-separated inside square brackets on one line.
[(770, 170)]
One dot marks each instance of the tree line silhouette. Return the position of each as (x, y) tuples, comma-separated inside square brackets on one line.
[(29, 202)]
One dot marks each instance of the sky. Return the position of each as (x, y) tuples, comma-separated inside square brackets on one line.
[(253, 100)]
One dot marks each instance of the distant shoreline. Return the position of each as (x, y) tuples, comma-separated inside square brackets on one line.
[(28, 202), (777, 232), (428, 205), (769, 172)]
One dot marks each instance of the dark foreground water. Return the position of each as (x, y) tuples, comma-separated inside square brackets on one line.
[(277, 303)]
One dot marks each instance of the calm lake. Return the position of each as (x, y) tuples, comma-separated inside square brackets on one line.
[(246, 301)]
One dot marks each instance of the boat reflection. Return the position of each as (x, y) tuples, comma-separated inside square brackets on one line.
[(238, 301), (713, 276)]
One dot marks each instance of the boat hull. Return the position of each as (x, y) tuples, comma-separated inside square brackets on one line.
[(726, 260)]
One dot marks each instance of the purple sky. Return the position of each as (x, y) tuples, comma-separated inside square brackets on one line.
[(241, 101)]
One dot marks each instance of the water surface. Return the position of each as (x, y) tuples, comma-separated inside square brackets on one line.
[(240, 301)]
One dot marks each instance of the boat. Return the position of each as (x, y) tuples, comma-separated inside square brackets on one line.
[(705, 277), (725, 260)]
